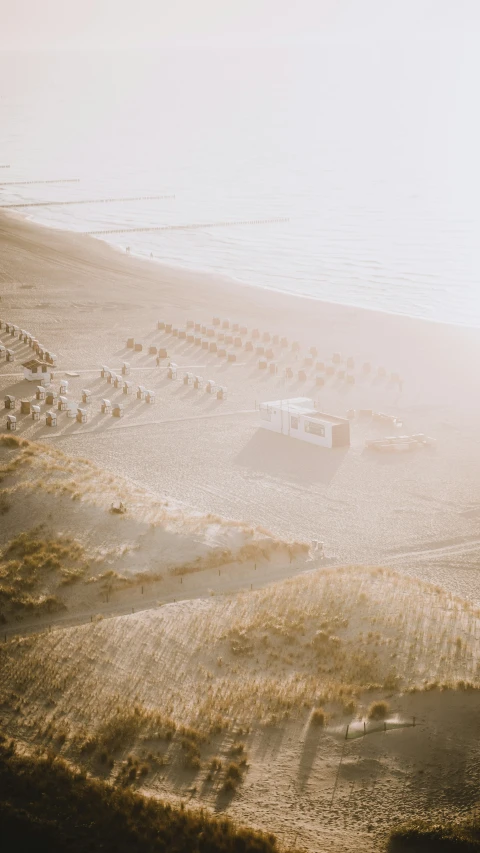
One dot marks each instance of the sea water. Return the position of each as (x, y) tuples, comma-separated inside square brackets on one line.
[(367, 147)]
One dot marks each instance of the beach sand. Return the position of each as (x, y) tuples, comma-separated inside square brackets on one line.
[(417, 511)]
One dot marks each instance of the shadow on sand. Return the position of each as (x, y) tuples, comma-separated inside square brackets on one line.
[(308, 756), (282, 456)]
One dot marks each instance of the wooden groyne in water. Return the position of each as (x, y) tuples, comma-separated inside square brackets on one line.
[(27, 183), (196, 225), (86, 201)]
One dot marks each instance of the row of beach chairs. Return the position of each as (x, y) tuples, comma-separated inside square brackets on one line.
[(126, 385), (263, 343), (27, 338), (72, 410), (159, 352), (197, 382), (77, 412)]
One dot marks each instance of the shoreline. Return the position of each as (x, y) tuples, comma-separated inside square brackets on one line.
[(434, 358), (229, 279), (296, 295)]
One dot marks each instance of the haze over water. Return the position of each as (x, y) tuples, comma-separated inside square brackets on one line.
[(369, 146)]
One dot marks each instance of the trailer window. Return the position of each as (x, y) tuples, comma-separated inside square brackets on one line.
[(293, 421), (315, 428)]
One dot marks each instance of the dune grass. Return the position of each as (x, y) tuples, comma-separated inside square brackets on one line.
[(326, 640), (48, 806), (378, 711), (29, 467), (435, 838), (33, 565)]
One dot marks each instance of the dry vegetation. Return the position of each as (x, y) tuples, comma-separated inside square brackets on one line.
[(176, 698), (180, 700), (42, 473), (435, 838), (48, 806), (33, 568), (320, 642)]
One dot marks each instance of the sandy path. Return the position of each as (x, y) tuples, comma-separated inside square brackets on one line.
[(137, 424), (228, 580), (439, 550)]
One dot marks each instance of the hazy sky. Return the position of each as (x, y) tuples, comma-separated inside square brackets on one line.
[(46, 23)]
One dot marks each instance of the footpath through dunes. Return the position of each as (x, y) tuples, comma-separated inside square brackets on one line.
[(77, 541), (242, 703)]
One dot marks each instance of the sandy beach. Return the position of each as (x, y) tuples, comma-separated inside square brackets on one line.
[(202, 602), (416, 511)]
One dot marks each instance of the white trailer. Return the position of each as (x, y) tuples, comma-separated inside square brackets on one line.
[(300, 418)]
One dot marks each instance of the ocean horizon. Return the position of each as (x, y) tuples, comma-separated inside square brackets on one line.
[(364, 194)]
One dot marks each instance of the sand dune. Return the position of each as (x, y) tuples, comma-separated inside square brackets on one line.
[(237, 679), (58, 508)]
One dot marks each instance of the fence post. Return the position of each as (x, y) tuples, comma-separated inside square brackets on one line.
[(339, 766)]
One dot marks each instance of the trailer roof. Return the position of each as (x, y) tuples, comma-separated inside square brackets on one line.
[(304, 406)]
